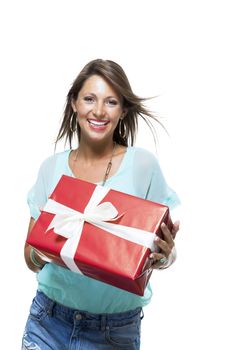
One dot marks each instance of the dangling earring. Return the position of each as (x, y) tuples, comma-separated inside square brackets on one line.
[(73, 120), (122, 129)]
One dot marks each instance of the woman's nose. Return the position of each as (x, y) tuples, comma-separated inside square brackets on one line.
[(98, 110)]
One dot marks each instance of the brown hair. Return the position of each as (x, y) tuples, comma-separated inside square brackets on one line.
[(125, 132)]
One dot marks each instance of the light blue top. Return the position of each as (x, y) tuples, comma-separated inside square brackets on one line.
[(139, 175)]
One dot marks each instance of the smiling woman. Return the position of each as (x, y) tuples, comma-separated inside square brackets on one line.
[(117, 81), (99, 109), (72, 310)]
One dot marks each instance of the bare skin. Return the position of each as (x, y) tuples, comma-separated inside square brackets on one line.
[(93, 170)]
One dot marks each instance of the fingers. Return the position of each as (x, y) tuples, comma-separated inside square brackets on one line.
[(167, 243), (175, 229), (156, 256), (165, 249), (158, 260), (168, 238)]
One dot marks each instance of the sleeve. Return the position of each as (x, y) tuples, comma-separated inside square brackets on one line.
[(38, 194), (159, 191), (156, 188), (149, 177)]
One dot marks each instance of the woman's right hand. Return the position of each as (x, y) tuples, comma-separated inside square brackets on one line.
[(30, 255)]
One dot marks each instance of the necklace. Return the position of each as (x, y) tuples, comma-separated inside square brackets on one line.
[(109, 166)]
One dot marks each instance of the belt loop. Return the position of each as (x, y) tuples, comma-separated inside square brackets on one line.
[(142, 314), (103, 322)]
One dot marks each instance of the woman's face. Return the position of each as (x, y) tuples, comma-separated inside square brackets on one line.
[(99, 109)]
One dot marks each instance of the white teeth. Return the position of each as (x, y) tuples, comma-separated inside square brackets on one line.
[(96, 123)]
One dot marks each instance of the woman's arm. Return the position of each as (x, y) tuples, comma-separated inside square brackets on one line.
[(33, 260)]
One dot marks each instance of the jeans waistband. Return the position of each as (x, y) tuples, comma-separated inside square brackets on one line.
[(70, 315)]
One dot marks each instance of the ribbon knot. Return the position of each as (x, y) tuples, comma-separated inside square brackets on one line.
[(68, 221)]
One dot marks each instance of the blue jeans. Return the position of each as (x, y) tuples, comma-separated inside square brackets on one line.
[(52, 326)]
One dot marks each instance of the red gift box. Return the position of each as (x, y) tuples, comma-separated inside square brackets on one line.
[(99, 232)]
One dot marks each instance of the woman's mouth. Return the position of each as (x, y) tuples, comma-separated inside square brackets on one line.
[(98, 124)]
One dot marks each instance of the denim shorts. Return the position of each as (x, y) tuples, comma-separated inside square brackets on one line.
[(51, 326)]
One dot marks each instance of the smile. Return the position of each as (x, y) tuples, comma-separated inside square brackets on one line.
[(98, 123)]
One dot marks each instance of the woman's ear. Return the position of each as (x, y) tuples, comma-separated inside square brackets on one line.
[(73, 106)]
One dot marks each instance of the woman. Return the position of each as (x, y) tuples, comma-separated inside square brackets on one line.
[(70, 310)]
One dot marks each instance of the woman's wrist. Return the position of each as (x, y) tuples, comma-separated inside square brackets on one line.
[(35, 259)]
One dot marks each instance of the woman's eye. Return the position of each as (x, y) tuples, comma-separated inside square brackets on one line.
[(112, 102), (88, 99)]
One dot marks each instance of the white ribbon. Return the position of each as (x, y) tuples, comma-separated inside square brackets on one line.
[(69, 223)]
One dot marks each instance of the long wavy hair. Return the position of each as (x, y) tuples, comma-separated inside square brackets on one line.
[(126, 130)]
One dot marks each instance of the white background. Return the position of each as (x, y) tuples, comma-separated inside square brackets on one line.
[(178, 50)]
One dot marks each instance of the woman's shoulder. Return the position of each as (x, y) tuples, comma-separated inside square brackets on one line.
[(144, 156), (53, 159)]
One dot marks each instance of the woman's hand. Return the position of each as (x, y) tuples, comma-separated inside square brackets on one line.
[(166, 255), (32, 258)]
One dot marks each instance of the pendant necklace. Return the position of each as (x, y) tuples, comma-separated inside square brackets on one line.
[(109, 166)]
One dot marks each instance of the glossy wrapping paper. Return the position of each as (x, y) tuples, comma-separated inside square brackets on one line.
[(97, 251)]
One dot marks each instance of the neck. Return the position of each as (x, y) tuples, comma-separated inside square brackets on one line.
[(97, 151)]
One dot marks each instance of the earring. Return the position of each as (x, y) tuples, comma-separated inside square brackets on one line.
[(122, 129), (73, 121)]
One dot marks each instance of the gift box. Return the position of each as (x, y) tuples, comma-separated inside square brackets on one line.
[(99, 232)]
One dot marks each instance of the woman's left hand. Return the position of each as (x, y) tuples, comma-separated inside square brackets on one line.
[(166, 246)]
